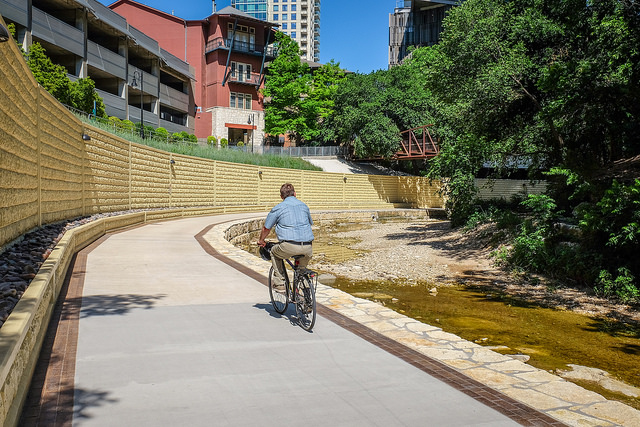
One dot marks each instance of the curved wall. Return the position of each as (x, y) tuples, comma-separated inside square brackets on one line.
[(49, 173)]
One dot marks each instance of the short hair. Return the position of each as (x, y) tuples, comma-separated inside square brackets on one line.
[(287, 190)]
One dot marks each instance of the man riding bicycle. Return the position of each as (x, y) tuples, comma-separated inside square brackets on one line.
[(292, 221)]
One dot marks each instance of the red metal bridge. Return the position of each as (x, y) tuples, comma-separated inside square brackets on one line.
[(416, 144), (414, 148)]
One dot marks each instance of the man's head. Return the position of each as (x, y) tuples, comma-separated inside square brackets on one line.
[(287, 190)]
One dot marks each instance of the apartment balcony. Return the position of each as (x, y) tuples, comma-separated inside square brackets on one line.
[(149, 82), (252, 79), (238, 46), (57, 32), (106, 60), (174, 124), (15, 10), (150, 119), (174, 98), (114, 105)]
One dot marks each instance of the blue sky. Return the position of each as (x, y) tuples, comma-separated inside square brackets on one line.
[(354, 33)]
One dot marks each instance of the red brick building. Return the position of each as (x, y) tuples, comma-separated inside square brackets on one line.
[(228, 50)]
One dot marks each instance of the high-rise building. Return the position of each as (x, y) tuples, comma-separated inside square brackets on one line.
[(255, 8), (415, 23), (300, 19)]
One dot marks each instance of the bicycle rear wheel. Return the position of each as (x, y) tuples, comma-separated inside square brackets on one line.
[(279, 300), (305, 302)]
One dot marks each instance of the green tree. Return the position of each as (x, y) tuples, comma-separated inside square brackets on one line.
[(370, 110), (534, 82), (52, 77), (284, 84), (80, 94), (83, 96), (296, 101)]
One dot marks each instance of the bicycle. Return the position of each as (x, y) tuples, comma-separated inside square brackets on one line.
[(301, 291)]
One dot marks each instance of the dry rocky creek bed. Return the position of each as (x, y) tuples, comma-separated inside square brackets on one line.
[(433, 252)]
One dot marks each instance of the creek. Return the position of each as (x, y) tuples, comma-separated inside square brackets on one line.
[(554, 340)]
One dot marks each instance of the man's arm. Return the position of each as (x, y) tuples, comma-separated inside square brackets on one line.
[(263, 234)]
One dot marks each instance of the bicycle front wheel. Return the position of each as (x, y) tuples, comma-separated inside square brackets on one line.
[(279, 299), (305, 301)]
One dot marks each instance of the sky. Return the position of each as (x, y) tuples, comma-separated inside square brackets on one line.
[(354, 33)]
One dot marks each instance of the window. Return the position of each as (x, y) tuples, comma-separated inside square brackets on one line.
[(240, 100), (244, 37), (284, 7), (293, 8), (275, 16), (293, 17), (285, 17), (293, 25), (293, 34), (284, 25), (275, 8), (240, 72)]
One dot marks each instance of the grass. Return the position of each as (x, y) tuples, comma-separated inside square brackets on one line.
[(231, 155)]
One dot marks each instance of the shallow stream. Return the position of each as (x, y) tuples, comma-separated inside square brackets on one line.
[(553, 339)]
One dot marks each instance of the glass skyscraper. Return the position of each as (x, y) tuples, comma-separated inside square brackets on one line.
[(255, 8), (299, 19)]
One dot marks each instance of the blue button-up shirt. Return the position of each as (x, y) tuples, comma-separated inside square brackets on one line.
[(292, 220)]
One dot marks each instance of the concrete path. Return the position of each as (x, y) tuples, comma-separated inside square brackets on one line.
[(340, 165), (173, 330)]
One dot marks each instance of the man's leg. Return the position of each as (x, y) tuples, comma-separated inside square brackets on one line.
[(278, 253), (278, 272), (306, 252), (287, 250)]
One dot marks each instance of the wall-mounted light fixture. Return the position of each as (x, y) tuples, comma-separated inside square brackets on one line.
[(134, 83), (4, 33), (260, 174), (344, 179), (172, 161), (86, 137)]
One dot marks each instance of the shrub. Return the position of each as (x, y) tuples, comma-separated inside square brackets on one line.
[(192, 138), (224, 143), (622, 286), (212, 140), (162, 133), (240, 144), (127, 125)]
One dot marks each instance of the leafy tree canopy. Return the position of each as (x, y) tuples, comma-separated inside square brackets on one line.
[(372, 109), (79, 94), (537, 82), (298, 101)]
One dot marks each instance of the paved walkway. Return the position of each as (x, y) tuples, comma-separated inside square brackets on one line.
[(167, 324)]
